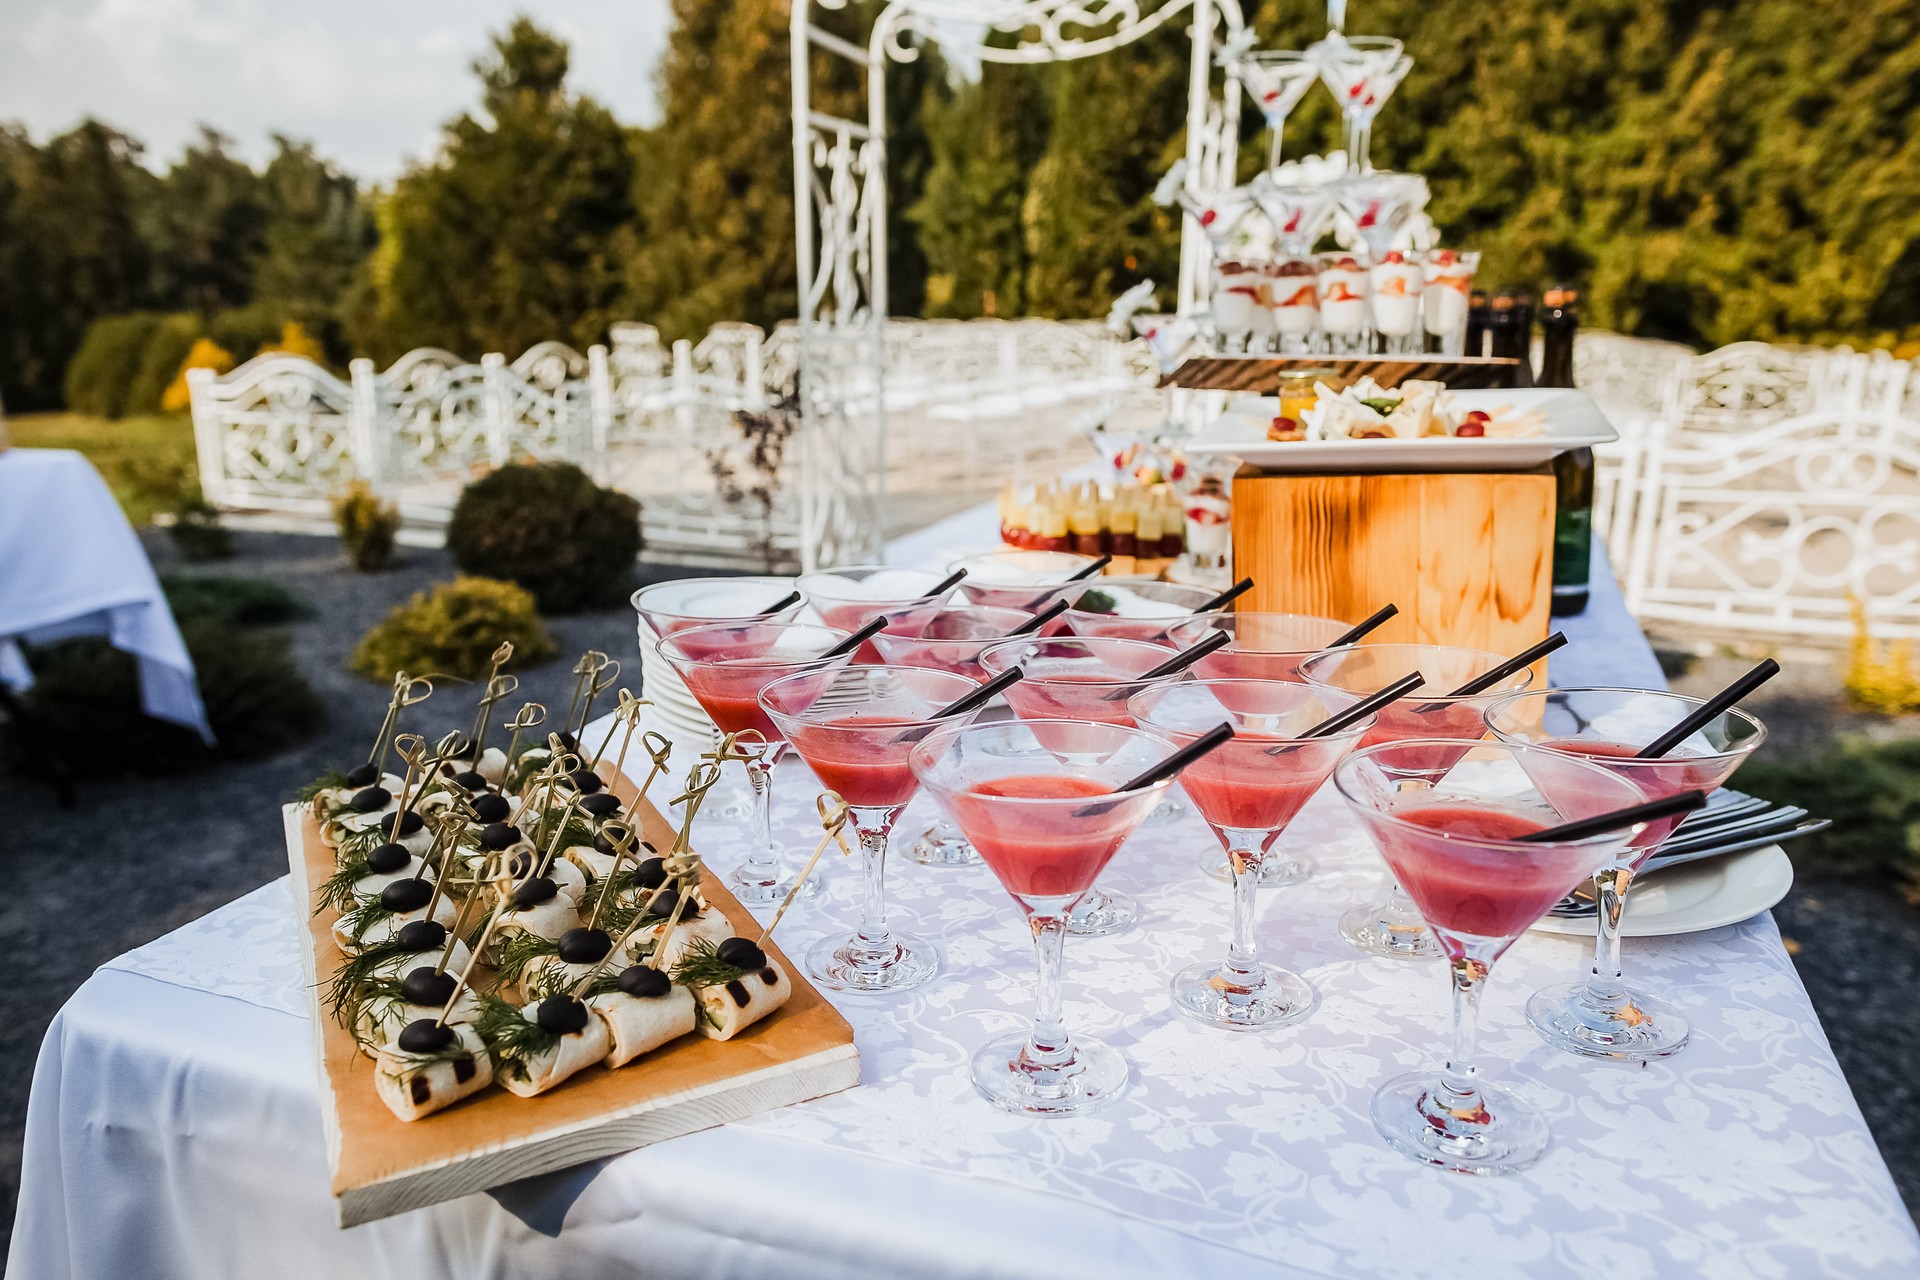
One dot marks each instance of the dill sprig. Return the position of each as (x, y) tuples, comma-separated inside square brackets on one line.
[(363, 917), (513, 1039), (356, 845), (412, 1064), (702, 966), (548, 981), (336, 890), (605, 983), (521, 950), (357, 972), (377, 998), (331, 780)]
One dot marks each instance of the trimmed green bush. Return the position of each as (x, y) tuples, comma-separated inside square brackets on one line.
[(197, 532), (453, 630), (100, 375), (1870, 789), (550, 528), (85, 702), (239, 602), (367, 526), (166, 351)]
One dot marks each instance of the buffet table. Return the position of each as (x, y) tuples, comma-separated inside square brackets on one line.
[(174, 1127)]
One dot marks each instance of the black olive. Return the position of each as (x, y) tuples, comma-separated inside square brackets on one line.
[(604, 805), (663, 903), (499, 835), (585, 946), (421, 935), (447, 770), (491, 808), (463, 750), (585, 781), (424, 986), (403, 896), (389, 858), (741, 953), (364, 775), (604, 841), (424, 1035), (531, 893), (519, 865), (562, 1015), (651, 873), (568, 742), (370, 799), (471, 780), (645, 983), (398, 825)]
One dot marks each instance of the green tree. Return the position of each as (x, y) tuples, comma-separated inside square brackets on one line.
[(206, 221), (515, 232), (316, 235)]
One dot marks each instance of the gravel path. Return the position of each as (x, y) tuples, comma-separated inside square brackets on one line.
[(1859, 943)]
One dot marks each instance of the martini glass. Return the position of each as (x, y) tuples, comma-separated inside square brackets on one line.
[(1081, 679), (666, 607), (950, 640), (726, 665), (1361, 72), (1248, 790), (1298, 214), (1453, 841), (851, 596), (1157, 612), (1381, 204), (1277, 79), (1603, 1017), (1219, 215), (1026, 580), (855, 727), (1450, 727), (1037, 799)]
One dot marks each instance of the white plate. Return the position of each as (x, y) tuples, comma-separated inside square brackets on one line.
[(1573, 421), (1696, 896)]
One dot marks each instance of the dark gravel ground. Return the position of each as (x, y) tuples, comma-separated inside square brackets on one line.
[(1858, 943)]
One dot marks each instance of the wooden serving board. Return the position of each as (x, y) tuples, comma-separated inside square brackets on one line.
[(383, 1165), (1260, 375)]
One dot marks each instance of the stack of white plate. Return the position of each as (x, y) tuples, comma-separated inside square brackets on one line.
[(675, 712)]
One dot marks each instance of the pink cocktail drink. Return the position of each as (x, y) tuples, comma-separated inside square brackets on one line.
[(1044, 804), (668, 607), (1026, 580), (725, 666), (1462, 847), (1076, 679), (1248, 789), (851, 596), (1603, 1016), (855, 728), (1268, 646), (949, 639)]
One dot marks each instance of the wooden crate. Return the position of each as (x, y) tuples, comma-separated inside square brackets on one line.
[(1468, 558), (382, 1165)]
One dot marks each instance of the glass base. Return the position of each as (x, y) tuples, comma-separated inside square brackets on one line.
[(1503, 1135), (1386, 929), (936, 848), (1635, 1030), (1208, 993), (1277, 869), (1099, 913), (844, 964), (1169, 810), (1093, 1075), (757, 890)]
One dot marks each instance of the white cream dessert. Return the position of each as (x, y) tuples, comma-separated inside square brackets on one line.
[(1342, 285), (1236, 297), (1296, 299), (1395, 285), (1449, 280)]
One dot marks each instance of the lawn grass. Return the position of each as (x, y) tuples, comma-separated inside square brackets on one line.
[(148, 462)]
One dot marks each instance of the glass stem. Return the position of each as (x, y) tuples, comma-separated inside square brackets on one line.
[(760, 864), (1048, 1045), (1273, 148), (1459, 1090), (1605, 989), (873, 938), (1243, 859)]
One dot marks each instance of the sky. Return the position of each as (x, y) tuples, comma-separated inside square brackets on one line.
[(369, 82)]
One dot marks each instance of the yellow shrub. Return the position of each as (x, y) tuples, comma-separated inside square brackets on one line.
[(295, 341), (206, 354), (1880, 677), (453, 630), (367, 526)]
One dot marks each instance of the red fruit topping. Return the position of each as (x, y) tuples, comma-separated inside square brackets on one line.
[(1480, 416), (1348, 264), (1207, 217), (1445, 257), (1471, 430), (1339, 292), (1301, 298), (1391, 256)]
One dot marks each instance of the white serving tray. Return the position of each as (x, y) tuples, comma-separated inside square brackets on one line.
[(1573, 421)]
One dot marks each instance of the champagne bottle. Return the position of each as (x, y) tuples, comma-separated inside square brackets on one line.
[(1572, 470)]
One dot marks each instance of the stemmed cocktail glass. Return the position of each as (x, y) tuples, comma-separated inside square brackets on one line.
[(1277, 79), (1157, 612), (854, 727), (949, 640), (1037, 799), (1248, 790), (1080, 679), (725, 665), (1603, 1017), (1026, 580), (851, 596), (1450, 725), (1361, 72), (1454, 842)]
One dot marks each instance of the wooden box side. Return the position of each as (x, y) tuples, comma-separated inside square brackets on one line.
[(382, 1165), (1468, 558)]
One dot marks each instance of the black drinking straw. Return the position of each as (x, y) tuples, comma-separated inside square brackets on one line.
[(966, 702), (1085, 571), (1179, 760), (1172, 666), (1039, 619), (1486, 680), (1601, 823), (790, 598), (1358, 711), (947, 584), (1719, 702), (1362, 628), (859, 637), (1228, 596)]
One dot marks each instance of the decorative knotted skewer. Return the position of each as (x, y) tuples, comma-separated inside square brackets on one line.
[(699, 783), (411, 748), (446, 838), (585, 673), (486, 935), (598, 682), (624, 842), (626, 714), (497, 687), (659, 752), (407, 691), (485, 874), (559, 834), (531, 715), (731, 748), (835, 814)]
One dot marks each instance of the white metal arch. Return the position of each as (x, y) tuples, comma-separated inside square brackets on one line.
[(840, 214)]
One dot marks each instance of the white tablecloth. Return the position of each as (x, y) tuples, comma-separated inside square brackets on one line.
[(70, 565), (174, 1124)]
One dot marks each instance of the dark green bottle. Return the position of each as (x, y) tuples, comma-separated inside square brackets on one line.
[(1572, 470)]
